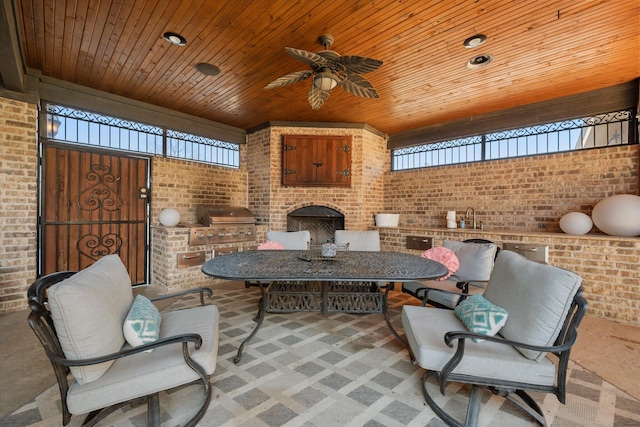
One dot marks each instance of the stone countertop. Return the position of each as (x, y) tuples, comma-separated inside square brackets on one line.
[(492, 231)]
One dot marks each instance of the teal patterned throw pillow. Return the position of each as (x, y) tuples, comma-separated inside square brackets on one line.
[(142, 324), (479, 315)]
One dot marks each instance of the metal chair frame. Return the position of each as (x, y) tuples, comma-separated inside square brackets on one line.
[(422, 293), (561, 349), (42, 324)]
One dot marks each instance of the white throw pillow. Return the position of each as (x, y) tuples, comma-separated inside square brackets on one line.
[(88, 310), (142, 324)]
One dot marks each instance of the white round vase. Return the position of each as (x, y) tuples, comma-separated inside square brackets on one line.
[(618, 215), (577, 223), (169, 217)]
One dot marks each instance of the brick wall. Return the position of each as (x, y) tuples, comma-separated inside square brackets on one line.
[(271, 201), (608, 265), (522, 200), (18, 202), (526, 194), (184, 185)]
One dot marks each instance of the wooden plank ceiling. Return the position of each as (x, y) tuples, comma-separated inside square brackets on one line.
[(542, 49)]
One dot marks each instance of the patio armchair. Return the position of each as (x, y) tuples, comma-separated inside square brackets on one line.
[(476, 258), (108, 349), (366, 241), (529, 313), (358, 240), (291, 240)]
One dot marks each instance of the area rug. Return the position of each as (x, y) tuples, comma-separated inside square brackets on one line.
[(310, 369)]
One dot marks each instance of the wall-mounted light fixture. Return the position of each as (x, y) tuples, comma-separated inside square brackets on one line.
[(53, 125), (175, 38)]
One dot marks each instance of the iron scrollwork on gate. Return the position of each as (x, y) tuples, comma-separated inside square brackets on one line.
[(100, 195), (95, 246)]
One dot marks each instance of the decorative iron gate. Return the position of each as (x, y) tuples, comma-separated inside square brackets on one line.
[(93, 204)]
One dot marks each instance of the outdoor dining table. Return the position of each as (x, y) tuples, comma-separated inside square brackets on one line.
[(350, 282)]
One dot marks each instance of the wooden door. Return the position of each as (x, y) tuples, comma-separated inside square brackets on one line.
[(93, 204)]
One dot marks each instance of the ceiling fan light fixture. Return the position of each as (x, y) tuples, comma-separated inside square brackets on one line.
[(175, 38), (479, 61), (474, 41), (325, 80)]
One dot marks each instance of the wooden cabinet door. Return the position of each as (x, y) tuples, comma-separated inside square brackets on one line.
[(316, 161), (333, 162), (297, 160)]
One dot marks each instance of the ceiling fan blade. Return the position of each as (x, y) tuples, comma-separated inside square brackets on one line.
[(359, 86), (359, 64), (311, 58), (289, 79), (317, 97)]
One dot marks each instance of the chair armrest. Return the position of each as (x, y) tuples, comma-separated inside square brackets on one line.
[(201, 291), (461, 336), (184, 339), (427, 289), (465, 285), (451, 336)]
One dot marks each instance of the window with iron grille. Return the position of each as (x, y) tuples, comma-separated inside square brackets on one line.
[(83, 127), (604, 130), (193, 147)]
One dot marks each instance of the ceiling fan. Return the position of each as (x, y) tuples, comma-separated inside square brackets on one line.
[(329, 70)]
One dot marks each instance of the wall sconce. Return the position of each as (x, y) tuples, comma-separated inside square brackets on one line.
[(53, 125)]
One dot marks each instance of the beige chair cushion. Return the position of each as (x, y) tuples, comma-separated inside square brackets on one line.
[(291, 240), (164, 368), (536, 296), (425, 328), (88, 311), (359, 240), (476, 260)]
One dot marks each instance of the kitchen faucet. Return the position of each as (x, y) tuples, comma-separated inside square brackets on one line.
[(473, 212)]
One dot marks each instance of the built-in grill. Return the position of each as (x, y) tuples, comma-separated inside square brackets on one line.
[(222, 224)]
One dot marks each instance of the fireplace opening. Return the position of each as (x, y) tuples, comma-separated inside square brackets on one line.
[(321, 222)]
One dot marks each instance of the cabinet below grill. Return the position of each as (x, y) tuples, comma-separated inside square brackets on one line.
[(222, 233)]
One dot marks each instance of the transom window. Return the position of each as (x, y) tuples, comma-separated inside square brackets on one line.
[(84, 127), (603, 130)]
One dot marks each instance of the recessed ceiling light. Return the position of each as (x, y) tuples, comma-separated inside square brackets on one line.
[(208, 69), (479, 61), (474, 41), (175, 38)]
